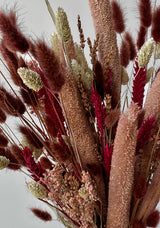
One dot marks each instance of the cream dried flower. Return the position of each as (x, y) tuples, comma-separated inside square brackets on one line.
[(145, 53), (37, 190), (4, 162), (30, 78)]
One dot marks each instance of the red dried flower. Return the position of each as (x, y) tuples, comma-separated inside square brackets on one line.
[(138, 84)]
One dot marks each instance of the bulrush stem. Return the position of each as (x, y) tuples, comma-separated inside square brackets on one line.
[(101, 13), (122, 170), (151, 198), (81, 134)]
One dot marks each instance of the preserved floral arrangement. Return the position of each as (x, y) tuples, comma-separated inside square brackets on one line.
[(91, 151)]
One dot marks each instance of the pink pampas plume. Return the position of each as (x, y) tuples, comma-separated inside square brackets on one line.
[(122, 169)]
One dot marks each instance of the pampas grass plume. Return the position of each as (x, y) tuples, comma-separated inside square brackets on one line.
[(118, 18)]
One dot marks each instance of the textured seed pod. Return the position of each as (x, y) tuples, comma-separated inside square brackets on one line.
[(37, 190), (30, 78), (145, 53), (62, 26), (4, 162)]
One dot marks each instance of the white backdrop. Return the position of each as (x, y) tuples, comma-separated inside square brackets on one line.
[(15, 200)]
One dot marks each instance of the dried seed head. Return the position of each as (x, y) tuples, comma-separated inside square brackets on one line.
[(2, 116), (62, 26), (30, 78), (4, 162), (145, 53), (37, 190), (118, 18), (43, 215), (45, 163)]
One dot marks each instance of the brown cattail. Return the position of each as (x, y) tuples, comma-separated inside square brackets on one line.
[(153, 219), (156, 25), (118, 18), (107, 44), (3, 141), (51, 128), (3, 116), (43, 215), (132, 47), (18, 154), (45, 163), (122, 169), (12, 63), (145, 11), (124, 53), (14, 39), (31, 136), (141, 37), (49, 65)]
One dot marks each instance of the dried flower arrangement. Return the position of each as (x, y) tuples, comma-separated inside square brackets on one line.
[(91, 155)]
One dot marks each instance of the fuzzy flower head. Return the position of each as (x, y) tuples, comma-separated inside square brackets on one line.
[(4, 162), (62, 26), (30, 78), (37, 190), (145, 53)]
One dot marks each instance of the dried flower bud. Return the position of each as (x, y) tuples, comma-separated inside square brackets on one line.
[(4, 162), (62, 26), (37, 190), (30, 78), (145, 53)]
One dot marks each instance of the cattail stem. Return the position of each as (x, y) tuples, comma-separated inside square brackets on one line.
[(101, 13)]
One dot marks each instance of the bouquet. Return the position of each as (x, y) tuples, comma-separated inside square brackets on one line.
[(91, 151)]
